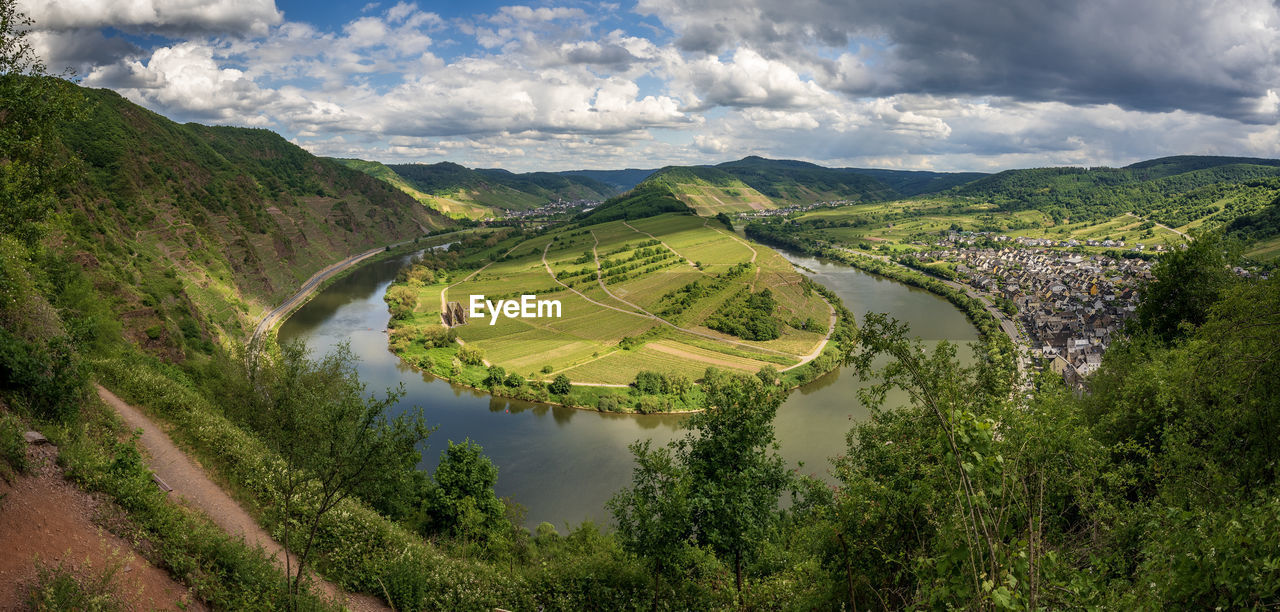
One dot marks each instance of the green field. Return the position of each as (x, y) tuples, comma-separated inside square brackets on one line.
[(584, 343)]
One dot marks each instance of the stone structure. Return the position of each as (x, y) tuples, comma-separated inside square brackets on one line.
[(454, 315)]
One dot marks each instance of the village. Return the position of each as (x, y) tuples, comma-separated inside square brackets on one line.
[(1069, 305)]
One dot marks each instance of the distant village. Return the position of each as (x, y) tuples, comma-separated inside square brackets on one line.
[(552, 208), (1070, 305), (794, 208)]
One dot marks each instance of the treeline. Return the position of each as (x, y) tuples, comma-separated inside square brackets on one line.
[(1174, 194)]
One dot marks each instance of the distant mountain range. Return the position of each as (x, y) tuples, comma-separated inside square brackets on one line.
[(478, 193), (746, 184)]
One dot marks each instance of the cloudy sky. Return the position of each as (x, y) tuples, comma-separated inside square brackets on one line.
[(564, 85)]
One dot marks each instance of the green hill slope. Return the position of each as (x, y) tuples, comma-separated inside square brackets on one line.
[(448, 206), (497, 190), (910, 183), (193, 231), (709, 191), (646, 200), (1187, 192), (796, 182)]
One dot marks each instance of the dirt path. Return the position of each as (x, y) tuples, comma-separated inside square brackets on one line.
[(43, 517), (1161, 225), (193, 485)]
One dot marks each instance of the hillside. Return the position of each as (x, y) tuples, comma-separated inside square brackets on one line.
[(709, 191), (646, 200), (754, 183), (621, 180), (447, 206), (1185, 192), (910, 183), (193, 231), (496, 189), (796, 182)]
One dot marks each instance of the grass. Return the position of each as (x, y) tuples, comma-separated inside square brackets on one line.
[(584, 342), (66, 587)]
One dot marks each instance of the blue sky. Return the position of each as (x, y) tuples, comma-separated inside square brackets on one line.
[(561, 85)]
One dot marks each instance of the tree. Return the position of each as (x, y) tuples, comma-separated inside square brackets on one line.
[(653, 516), (735, 472), (332, 438), (32, 108), (1187, 282), (464, 503), (561, 385)]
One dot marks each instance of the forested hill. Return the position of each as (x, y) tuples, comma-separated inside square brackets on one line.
[(796, 182), (1177, 191), (622, 180), (191, 231), (499, 189)]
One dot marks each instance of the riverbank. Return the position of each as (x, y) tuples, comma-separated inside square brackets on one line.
[(333, 272)]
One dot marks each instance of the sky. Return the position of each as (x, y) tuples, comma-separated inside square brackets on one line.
[(904, 84)]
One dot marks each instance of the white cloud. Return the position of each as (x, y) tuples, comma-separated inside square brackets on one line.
[(546, 91), (234, 16), (748, 79), (185, 79)]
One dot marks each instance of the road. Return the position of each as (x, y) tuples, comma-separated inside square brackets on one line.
[(270, 319)]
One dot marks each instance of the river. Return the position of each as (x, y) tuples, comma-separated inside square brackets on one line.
[(562, 463)]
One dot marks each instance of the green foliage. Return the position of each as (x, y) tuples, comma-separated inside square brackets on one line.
[(471, 355), (646, 200), (561, 385), (65, 587), (725, 220), (46, 379), (463, 503), (1186, 284), (748, 316), (734, 470), (654, 516), (497, 376), (1174, 191), (801, 181), (499, 188), (13, 447), (333, 441)]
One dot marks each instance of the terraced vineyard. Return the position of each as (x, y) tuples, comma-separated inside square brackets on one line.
[(618, 284)]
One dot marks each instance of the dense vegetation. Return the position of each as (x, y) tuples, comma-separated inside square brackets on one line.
[(748, 316), (798, 182), (646, 200), (189, 232), (1173, 191)]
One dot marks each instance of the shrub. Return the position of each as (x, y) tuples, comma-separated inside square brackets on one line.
[(471, 355), (561, 385), (63, 587), (13, 447)]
